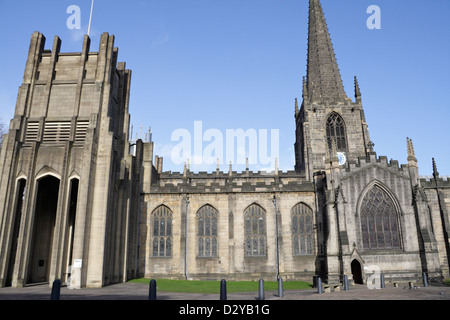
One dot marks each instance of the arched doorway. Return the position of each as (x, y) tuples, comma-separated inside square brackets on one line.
[(70, 227), (43, 229), (356, 272), (20, 196)]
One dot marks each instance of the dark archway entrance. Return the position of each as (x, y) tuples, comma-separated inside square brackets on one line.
[(43, 229), (70, 229), (20, 195), (356, 272)]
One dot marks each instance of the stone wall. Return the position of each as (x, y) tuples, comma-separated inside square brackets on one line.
[(230, 196)]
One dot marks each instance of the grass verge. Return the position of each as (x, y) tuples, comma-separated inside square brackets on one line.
[(193, 286)]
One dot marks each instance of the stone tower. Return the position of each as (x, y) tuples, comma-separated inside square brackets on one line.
[(67, 178), (327, 116), (369, 210)]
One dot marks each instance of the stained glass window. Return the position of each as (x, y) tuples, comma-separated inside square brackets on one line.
[(379, 221), (255, 231), (162, 232), (207, 231), (302, 229), (335, 129)]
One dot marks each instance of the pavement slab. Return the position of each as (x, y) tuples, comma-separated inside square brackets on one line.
[(138, 291)]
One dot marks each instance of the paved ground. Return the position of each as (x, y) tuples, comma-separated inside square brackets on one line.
[(136, 291)]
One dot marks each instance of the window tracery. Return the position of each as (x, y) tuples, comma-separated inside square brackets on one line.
[(255, 231), (379, 221)]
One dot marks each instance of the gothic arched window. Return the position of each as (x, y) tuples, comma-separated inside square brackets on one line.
[(162, 232), (255, 231), (336, 131), (207, 231), (302, 230), (379, 221)]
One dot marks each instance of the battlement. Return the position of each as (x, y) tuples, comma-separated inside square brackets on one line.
[(220, 181), (66, 91), (371, 159), (66, 85), (430, 182)]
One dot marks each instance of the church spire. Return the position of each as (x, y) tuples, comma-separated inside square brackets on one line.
[(323, 78)]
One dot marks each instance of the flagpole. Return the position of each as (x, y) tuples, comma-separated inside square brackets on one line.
[(90, 18)]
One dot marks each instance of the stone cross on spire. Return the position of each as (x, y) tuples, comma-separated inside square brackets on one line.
[(324, 81)]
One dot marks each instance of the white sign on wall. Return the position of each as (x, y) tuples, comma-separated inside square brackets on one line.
[(77, 263)]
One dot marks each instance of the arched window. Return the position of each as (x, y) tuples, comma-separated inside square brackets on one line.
[(302, 230), (336, 131), (207, 231), (255, 231), (162, 232), (379, 221)]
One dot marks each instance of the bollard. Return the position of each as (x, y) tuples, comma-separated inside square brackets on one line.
[(382, 280), (315, 281), (425, 280), (261, 290), (280, 287), (223, 290), (56, 290), (152, 290), (319, 286), (345, 282)]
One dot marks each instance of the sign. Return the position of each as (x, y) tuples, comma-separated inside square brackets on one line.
[(77, 263)]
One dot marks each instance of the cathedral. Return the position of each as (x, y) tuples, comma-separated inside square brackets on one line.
[(81, 203)]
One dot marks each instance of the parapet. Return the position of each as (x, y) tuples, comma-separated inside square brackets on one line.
[(224, 182), (372, 159)]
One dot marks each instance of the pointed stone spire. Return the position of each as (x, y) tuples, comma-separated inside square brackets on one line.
[(333, 147), (435, 172), (357, 91), (333, 151), (323, 78), (411, 153), (296, 107)]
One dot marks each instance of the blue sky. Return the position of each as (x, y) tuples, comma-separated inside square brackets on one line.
[(239, 64)]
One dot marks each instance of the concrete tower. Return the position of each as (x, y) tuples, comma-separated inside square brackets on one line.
[(67, 177)]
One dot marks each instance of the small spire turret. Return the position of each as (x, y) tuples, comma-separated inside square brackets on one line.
[(411, 153), (357, 91), (304, 89), (435, 172)]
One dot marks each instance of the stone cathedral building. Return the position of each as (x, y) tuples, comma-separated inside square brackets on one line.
[(77, 205)]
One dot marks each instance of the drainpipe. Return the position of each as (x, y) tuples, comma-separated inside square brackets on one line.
[(274, 200), (185, 239)]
